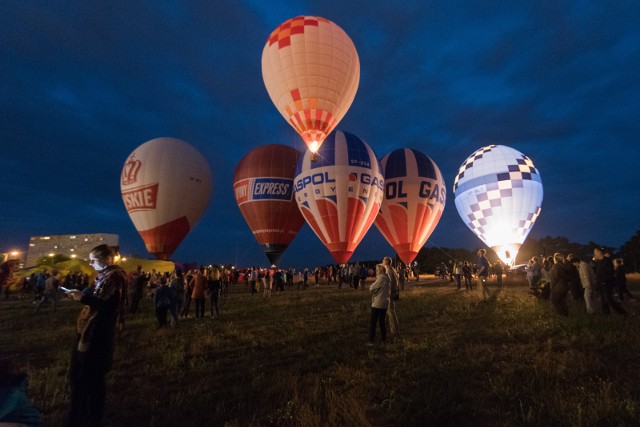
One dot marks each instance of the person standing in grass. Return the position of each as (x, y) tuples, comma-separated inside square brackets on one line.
[(545, 279), (482, 274), (97, 323), (466, 272), (199, 284), (394, 295), (163, 299), (380, 290), (187, 294), (136, 290), (497, 268), (573, 277), (588, 281), (457, 272), (177, 286), (213, 289), (605, 282), (50, 291), (536, 273), (559, 285), (621, 280)]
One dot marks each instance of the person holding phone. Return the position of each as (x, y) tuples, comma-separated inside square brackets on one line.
[(97, 322)]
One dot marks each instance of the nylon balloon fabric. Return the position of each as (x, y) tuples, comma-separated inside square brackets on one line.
[(339, 191), (415, 197), (166, 185), (263, 188), (311, 70), (498, 194)]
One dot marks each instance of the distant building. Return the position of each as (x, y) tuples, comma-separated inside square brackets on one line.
[(69, 245)]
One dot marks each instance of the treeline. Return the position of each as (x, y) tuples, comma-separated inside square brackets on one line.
[(430, 258)]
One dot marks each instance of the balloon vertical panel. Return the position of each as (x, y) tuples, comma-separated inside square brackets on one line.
[(166, 185)]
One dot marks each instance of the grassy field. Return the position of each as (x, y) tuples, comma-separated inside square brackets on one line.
[(299, 358)]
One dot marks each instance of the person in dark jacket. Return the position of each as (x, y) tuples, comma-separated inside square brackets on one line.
[(605, 282), (559, 285), (164, 299), (136, 290), (214, 284), (97, 322), (573, 277)]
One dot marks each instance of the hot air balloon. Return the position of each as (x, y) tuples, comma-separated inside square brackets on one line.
[(414, 199), (340, 192), (311, 70), (263, 186), (498, 194), (166, 185)]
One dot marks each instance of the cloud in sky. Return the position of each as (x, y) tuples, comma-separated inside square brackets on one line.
[(84, 84)]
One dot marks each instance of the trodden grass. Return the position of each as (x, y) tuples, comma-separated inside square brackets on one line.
[(299, 358)]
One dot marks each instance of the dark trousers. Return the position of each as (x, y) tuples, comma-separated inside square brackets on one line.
[(356, 282), (559, 298), (185, 307), (135, 303), (88, 392), (214, 304), (378, 315), (533, 283), (161, 315), (606, 294), (199, 307), (458, 277)]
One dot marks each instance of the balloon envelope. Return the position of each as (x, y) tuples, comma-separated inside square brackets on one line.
[(263, 187), (339, 191), (415, 195), (311, 70), (498, 194), (166, 185)]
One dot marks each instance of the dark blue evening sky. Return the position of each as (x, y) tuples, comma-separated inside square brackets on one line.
[(83, 83)]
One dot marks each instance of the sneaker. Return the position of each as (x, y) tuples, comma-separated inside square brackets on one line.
[(369, 344)]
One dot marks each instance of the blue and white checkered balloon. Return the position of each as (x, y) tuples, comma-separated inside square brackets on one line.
[(498, 194)]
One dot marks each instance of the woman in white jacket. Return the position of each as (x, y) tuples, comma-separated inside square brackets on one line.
[(379, 303)]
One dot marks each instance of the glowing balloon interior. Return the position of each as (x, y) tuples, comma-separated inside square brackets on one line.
[(263, 187), (311, 70), (340, 192), (498, 194), (166, 185), (415, 196)]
